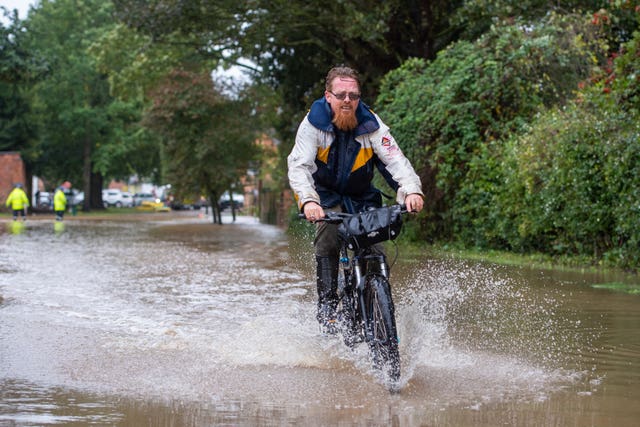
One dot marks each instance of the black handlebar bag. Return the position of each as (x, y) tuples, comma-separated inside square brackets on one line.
[(370, 227)]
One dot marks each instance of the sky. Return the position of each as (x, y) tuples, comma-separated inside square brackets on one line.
[(21, 5)]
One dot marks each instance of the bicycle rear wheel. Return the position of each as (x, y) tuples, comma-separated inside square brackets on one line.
[(381, 330)]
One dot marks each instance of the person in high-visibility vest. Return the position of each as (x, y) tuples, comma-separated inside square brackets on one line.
[(18, 201), (60, 200)]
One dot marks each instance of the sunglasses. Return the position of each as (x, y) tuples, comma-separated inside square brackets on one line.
[(342, 95)]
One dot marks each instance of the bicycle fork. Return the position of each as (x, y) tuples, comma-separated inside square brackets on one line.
[(373, 264), (348, 318), (355, 273)]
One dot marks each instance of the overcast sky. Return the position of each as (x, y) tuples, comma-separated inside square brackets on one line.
[(21, 5)]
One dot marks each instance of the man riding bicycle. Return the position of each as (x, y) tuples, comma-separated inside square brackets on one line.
[(339, 144)]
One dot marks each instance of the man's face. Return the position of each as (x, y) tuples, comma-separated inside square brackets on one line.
[(344, 111)]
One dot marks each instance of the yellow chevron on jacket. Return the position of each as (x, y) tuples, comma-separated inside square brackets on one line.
[(323, 154), (364, 155)]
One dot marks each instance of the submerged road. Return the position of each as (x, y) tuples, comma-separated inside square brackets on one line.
[(174, 321)]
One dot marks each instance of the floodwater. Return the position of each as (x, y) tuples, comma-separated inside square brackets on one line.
[(174, 321)]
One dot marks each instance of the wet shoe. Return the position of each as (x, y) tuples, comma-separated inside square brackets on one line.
[(350, 333), (327, 318), (352, 337), (329, 327)]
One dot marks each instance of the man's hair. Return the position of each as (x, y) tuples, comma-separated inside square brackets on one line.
[(341, 71)]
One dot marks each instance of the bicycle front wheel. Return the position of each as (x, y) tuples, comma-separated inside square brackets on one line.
[(381, 333)]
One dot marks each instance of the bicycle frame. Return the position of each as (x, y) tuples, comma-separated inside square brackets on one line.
[(356, 269), (366, 311)]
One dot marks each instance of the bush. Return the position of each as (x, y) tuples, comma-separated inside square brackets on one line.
[(572, 182), (527, 140), (449, 113)]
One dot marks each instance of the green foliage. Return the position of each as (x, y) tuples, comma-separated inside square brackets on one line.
[(575, 174), (68, 98), (523, 130), (568, 183), (83, 131), (132, 149), (208, 139), (475, 17), (276, 34), (135, 63), (292, 44), (19, 67), (449, 111)]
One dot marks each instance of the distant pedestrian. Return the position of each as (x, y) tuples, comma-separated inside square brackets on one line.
[(60, 200), (18, 201)]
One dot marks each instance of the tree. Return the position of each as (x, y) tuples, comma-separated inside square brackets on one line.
[(135, 63), (575, 172), (85, 134), (475, 17), (293, 43), (208, 139), (20, 67)]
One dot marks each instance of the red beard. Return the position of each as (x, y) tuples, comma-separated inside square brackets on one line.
[(346, 120)]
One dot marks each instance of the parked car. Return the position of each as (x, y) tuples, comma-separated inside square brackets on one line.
[(225, 201), (148, 206), (44, 200), (138, 198), (74, 197), (188, 204), (127, 199), (117, 198)]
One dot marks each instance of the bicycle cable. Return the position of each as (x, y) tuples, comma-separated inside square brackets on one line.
[(395, 258)]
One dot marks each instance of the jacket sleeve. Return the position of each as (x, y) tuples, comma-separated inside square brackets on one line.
[(395, 162), (301, 164)]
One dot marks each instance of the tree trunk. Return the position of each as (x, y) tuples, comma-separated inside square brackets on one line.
[(233, 206), (94, 196), (215, 208)]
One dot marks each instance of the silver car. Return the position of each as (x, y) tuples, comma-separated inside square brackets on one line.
[(117, 198)]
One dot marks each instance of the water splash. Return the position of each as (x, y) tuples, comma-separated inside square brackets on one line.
[(468, 322)]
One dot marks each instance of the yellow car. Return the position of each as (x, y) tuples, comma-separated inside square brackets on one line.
[(148, 206)]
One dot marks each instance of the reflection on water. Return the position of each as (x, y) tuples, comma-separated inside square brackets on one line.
[(58, 227), (16, 227), (180, 322)]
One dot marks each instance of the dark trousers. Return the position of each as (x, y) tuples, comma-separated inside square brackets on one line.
[(17, 212), (327, 251)]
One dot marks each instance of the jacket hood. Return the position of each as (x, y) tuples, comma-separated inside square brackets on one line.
[(320, 116)]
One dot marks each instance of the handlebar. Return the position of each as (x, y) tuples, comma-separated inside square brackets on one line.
[(337, 217)]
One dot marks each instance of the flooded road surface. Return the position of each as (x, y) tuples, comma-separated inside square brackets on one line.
[(179, 322)]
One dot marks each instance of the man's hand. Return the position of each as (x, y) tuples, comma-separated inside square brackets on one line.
[(313, 211), (413, 202)]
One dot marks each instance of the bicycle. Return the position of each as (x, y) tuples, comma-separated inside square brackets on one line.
[(365, 309)]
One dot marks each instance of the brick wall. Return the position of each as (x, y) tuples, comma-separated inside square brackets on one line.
[(11, 171)]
